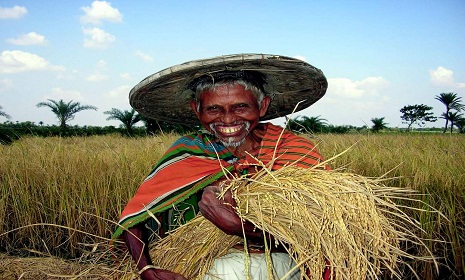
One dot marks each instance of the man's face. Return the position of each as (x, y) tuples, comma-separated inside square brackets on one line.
[(230, 112)]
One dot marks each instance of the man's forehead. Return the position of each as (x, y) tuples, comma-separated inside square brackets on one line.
[(228, 91)]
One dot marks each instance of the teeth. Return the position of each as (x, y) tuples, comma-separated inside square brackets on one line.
[(229, 130)]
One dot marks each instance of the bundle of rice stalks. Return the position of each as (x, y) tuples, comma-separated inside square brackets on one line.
[(191, 249), (320, 216)]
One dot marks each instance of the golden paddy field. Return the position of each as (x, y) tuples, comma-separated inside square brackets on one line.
[(60, 197)]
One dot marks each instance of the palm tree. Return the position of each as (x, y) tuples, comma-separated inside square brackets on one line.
[(65, 111), (460, 124), (453, 117), (3, 113), (378, 124), (128, 118), (304, 124), (452, 102)]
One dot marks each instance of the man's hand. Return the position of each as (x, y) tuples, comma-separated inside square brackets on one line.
[(220, 211), (133, 238), (222, 214), (160, 274)]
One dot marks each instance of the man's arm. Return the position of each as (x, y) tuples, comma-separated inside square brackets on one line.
[(222, 214), (138, 249)]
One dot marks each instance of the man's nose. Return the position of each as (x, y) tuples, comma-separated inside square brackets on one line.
[(228, 117)]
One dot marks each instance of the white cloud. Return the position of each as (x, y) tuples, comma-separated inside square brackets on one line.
[(442, 77), (145, 57), (19, 61), (100, 11), (58, 93), (356, 89), (372, 85), (300, 57), (125, 76), (121, 92), (5, 85), (97, 77), (30, 38), (101, 64), (118, 97), (99, 72), (97, 38), (68, 75), (12, 13)]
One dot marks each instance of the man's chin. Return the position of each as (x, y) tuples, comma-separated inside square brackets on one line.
[(232, 142)]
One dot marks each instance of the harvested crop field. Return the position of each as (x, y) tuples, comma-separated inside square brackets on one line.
[(60, 197)]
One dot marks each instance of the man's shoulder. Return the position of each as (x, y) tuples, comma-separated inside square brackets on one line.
[(200, 140), (275, 133), (272, 129), (196, 136), (189, 138)]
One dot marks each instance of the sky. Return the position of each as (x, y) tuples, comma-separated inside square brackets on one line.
[(378, 56)]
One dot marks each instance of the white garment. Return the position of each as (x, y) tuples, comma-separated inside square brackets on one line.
[(233, 267)]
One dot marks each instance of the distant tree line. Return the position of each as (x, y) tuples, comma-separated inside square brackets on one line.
[(11, 131), (417, 114)]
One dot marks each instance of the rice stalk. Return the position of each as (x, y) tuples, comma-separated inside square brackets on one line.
[(320, 216), (191, 248)]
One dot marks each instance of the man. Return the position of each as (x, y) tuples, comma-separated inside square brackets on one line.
[(229, 96)]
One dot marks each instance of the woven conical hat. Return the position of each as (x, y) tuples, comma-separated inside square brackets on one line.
[(165, 95)]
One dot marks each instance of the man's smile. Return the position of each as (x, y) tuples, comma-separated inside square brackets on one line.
[(229, 130), (231, 135)]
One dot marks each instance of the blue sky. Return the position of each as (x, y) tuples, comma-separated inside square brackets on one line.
[(378, 56)]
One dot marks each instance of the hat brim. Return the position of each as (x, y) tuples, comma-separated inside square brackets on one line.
[(292, 84)]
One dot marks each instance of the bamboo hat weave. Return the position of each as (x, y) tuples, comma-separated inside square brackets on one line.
[(292, 84)]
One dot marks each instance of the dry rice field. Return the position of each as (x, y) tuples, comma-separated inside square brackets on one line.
[(60, 197)]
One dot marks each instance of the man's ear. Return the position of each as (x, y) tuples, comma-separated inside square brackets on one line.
[(264, 105), (194, 108)]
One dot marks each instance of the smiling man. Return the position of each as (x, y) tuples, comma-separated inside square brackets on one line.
[(230, 108), (230, 111), (230, 96)]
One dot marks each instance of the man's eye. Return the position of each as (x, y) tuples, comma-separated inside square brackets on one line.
[(212, 109)]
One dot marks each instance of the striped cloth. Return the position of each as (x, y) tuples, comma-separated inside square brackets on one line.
[(196, 161)]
